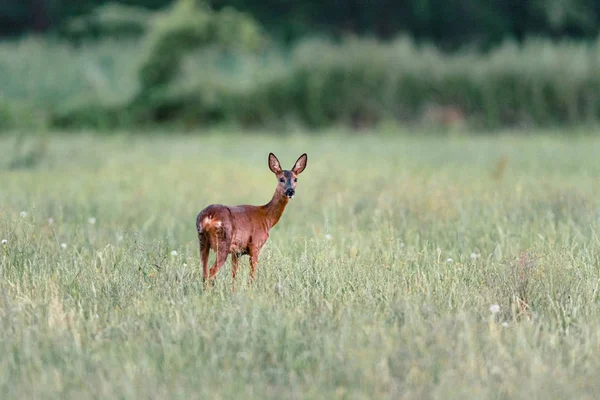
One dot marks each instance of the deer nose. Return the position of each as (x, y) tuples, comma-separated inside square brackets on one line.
[(290, 192)]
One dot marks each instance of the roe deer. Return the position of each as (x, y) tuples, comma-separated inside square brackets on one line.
[(243, 230)]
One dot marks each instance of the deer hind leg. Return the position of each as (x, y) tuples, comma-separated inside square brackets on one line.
[(222, 246), (204, 250), (222, 254)]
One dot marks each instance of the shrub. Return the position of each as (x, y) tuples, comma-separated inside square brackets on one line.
[(111, 20), (537, 83), (188, 26), (361, 82), (195, 68), (15, 116), (173, 35)]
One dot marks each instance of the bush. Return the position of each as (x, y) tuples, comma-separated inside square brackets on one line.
[(184, 77), (186, 27), (16, 116), (537, 83), (174, 34), (361, 82), (111, 20)]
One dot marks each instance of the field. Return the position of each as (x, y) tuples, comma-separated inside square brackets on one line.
[(407, 266)]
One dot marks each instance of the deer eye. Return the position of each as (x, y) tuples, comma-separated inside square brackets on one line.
[(295, 179), (281, 180)]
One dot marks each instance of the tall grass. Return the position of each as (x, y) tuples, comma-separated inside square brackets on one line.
[(377, 282)]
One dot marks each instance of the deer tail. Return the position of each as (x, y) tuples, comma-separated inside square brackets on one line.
[(209, 223)]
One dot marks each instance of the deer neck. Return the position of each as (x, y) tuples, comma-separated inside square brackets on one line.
[(275, 208)]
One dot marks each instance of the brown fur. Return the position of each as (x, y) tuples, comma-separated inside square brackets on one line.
[(243, 230)]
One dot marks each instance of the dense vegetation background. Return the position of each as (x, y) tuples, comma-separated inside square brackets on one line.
[(139, 63), (446, 22)]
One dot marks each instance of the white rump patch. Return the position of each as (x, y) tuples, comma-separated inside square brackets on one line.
[(208, 221)]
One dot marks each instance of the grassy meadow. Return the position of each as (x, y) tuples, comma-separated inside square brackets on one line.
[(407, 266)]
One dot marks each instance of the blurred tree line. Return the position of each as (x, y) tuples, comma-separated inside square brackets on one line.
[(448, 23), (242, 78)]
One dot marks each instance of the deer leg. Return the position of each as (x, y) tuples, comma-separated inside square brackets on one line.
[(234, 267), (220, 260), (204, 249), (253, 261)]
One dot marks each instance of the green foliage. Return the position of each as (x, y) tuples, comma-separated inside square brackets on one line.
[(376, 283), (7, 116), (98, 115), (357, 82), (190, 25), (18, 116), (26, 153), (538, 82), (47, 74), (175, 33), (363, 82), (79, 18), (450, 24), (111, 20), (43, 81)]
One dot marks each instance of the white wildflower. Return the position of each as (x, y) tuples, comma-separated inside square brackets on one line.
[(63, 245), (494, 308), (23, 214), (505, 325), (449, 261), (475, 256), (184, 265), (4, 242), (278, 288), (91, 220), (328, 236), (174, 253)]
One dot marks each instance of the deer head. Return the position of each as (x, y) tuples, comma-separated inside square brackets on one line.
[(287, 180)]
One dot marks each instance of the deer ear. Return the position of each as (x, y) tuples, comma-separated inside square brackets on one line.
[(300, 164), (274, 165)]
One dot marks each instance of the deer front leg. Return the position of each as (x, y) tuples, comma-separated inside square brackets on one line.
[(254, 252)]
